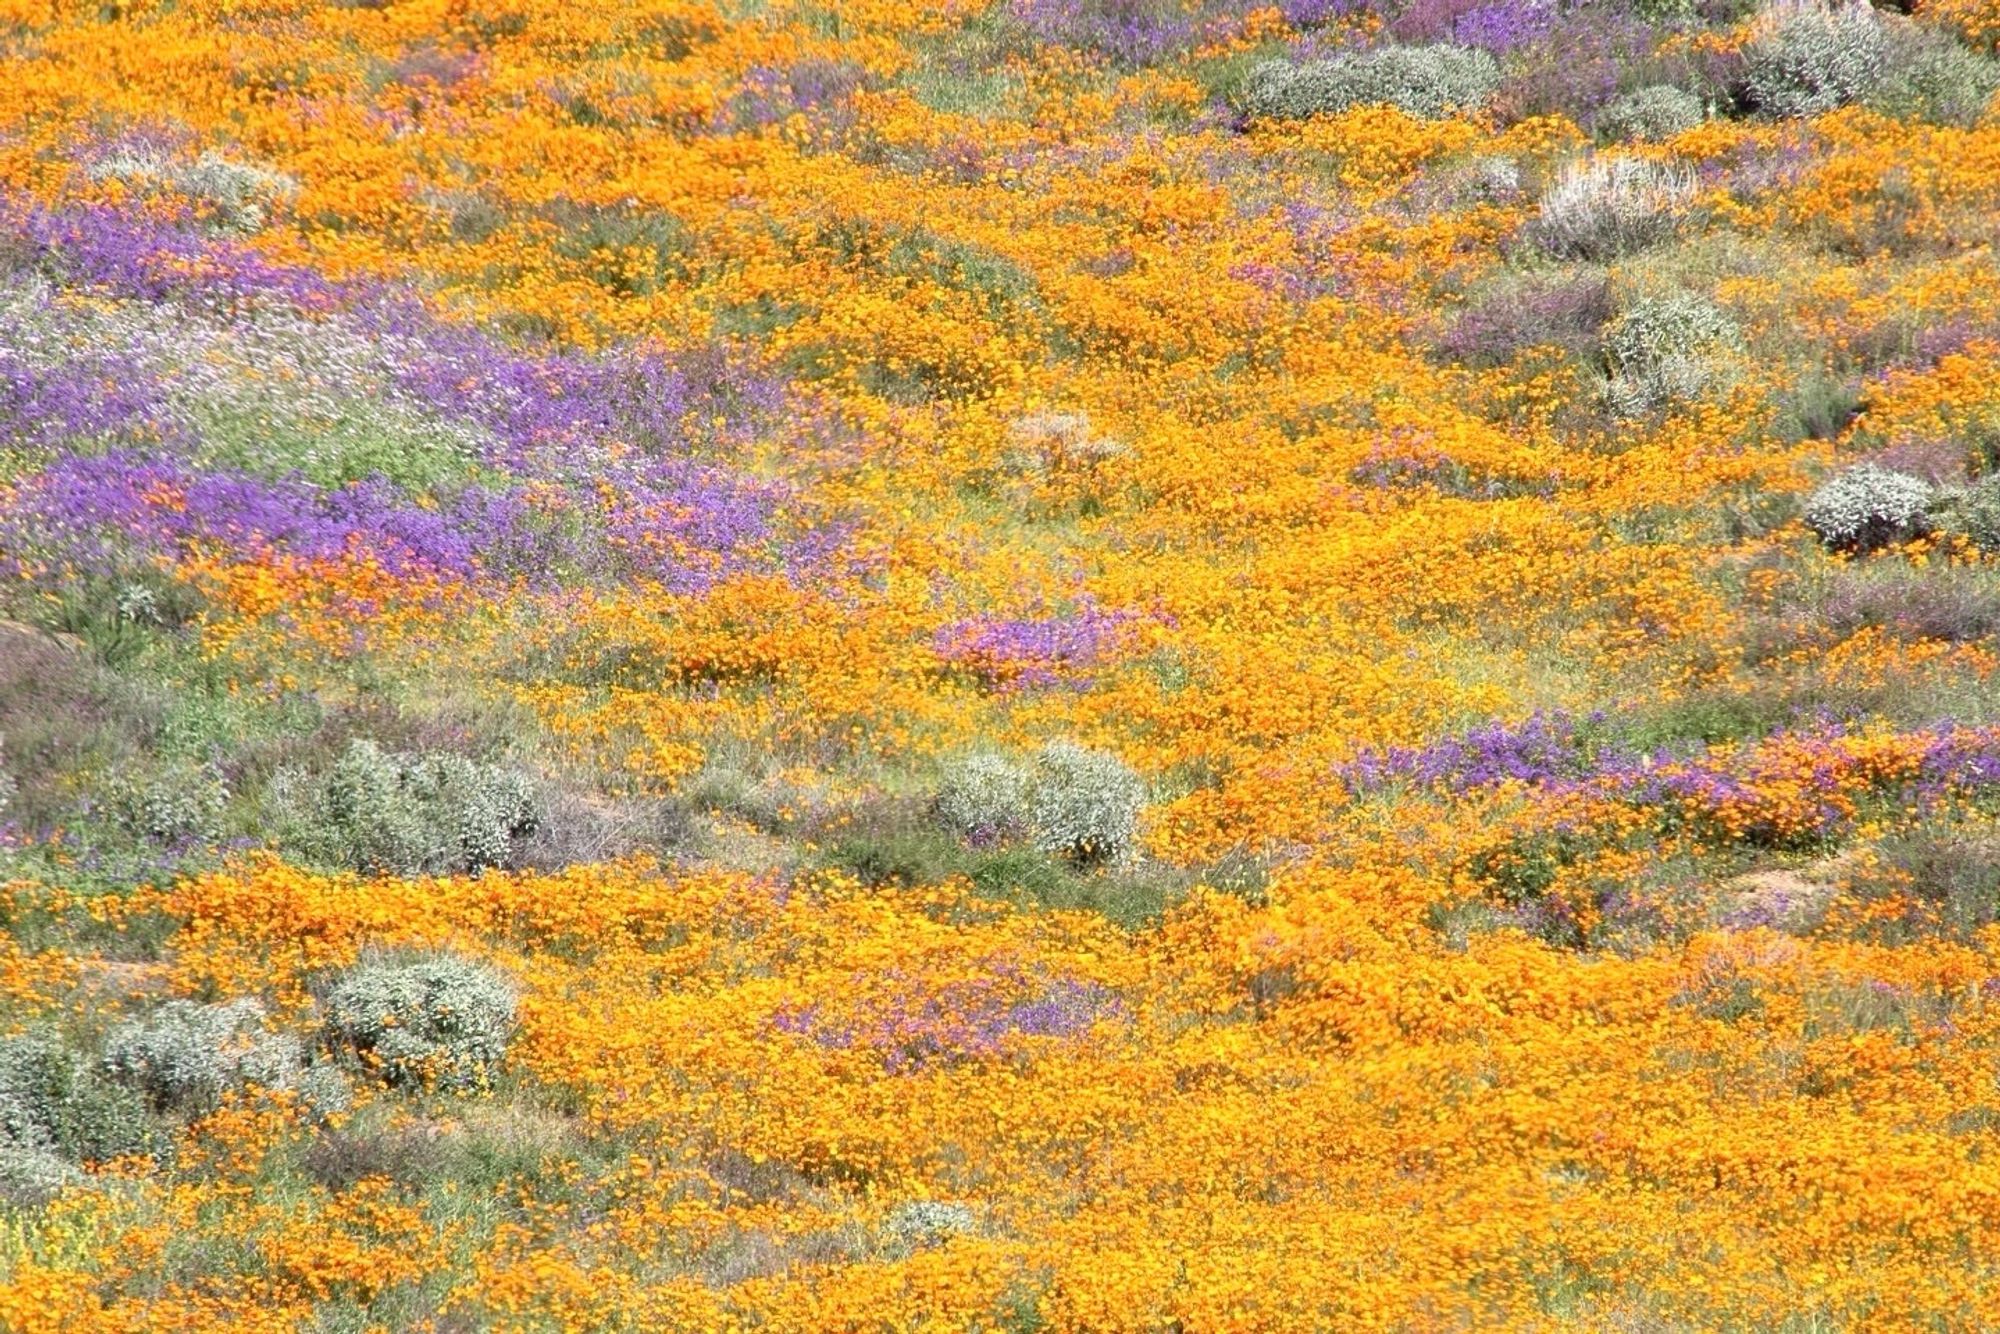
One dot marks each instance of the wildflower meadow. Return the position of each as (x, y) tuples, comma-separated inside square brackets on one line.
[(999, 665)]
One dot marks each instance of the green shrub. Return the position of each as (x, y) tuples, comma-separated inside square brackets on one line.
[(1664, 349), (440, 1022), (1868, 507), (1612, 205), (1808, 57), (30, 1177), (1974, 514), (236, 195), (1427, 82), (52, 1099), (1657, 112), (921, 1223), (984, 797), (1932, 78), (184, 1056), (1084, 804), (402, 813), (182, 806)]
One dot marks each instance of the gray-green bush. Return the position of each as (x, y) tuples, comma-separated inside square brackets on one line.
[(1428, 82), (30, 1177), (238, 195), (1932, 78), (53, 1099), (403, 813), (1807, 57), (441, 1021), (1612, 205), (184, 1056), (1868, 507), (1974, 514), (178, 807), (1084, 804), (984, 797), (1664, 349), (1656, 112)]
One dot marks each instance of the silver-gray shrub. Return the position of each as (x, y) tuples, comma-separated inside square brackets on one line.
[(1933, 78), (406, 813), (238, 195), (983, 797), (30, 1177), (183, 805), (1660, 111), (1974, 514), (1665, 349), (919, 1223), (1611, 205), (437, 1022), (1807, 57), (1084, 804), (1427, 82), (1868, 507), (184, 1055), (54, 1099)]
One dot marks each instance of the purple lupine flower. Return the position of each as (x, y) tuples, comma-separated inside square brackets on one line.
[(914, 1024), (588, 459), (1133, 32), (1501, 26), (1033, 651)]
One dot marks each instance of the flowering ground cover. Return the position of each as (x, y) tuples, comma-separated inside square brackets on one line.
[(1000, 665)]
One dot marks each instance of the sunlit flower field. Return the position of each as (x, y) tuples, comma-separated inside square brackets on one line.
[(1001, 665)]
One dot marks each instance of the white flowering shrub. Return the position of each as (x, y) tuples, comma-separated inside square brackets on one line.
[(919, 1223), (398, 813), (1653, 113), (179, 807), (1427, 82), (1974, 514), (1807, 57), (30, 1177), (1664, 349), (442, 1022), (238, 195), (53, 1099), (1931, 77), (1868, 507), (1612, 205), (1084, 804), (184, 1056), (983, 797), (1041, 441)]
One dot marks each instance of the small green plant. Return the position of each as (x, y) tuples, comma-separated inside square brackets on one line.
[(1664, 349), (984, 797), (1868, 507), (1427, 82), (438, 1022), (1807, 57), (1611, 205), (1660, 111), (184, 1056), (1084, 804), (401, 813), (52, 1099)]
